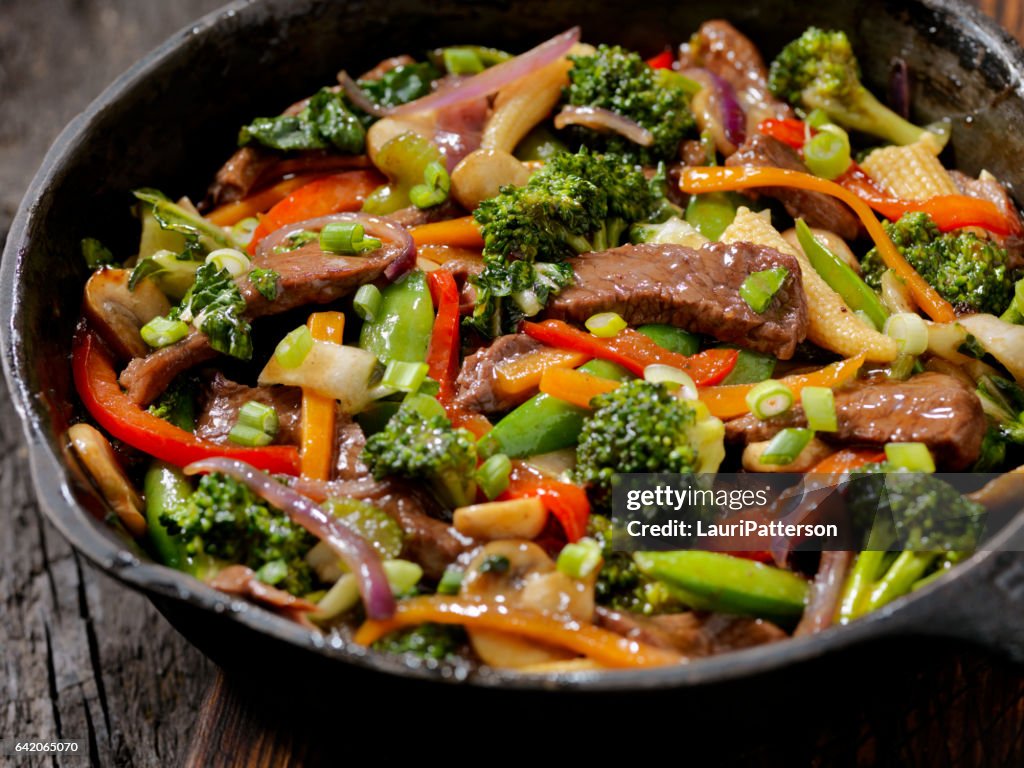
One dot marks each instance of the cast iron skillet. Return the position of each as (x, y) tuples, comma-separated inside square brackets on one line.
[(172, 119)]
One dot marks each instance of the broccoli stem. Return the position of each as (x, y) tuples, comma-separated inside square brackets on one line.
[(908, 568), (858, 587), (867, 114)]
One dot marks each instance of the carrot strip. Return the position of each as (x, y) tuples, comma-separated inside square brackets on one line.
[(230, 214), (698, 180), (846, 460), (523, 373), (439, 254), (318, 412), (588, 640), (462, 232), (730, 400), (576, 387)]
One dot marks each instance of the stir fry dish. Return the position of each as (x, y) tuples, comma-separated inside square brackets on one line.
[(382, 377)]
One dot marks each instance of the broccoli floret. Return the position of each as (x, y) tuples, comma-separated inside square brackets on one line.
[(419, 443), (971, 273), (1003, 403), (917, 515), (819, 70), (641, 427), (177, 403), (442, 642), (223, 519), (506, 293), (620, 81), (621, 584)]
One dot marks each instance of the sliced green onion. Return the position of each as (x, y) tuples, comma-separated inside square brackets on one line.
[(816, 118), (913, 457), (402, 575), (827, 154), (367, 302), (294, 347), (435, 187), (580, 559), (673, 378), (234, 261), (242, 232), (492, 476), (909, 331), (760, 288), (786, 446), (769, 398), (272, 572), (249, 436), (462, 61), (451, 581), (820, 408), (162, 331), (347, 237), (403, 376), (259, 416), (606, 324)]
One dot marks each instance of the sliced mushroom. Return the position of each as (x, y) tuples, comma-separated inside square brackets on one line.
[(96, 457), (511, 519), (520, 574), (118, 312), (481, 175), (812, 453)]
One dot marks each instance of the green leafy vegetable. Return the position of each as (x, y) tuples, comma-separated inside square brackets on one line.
[(326, 122)]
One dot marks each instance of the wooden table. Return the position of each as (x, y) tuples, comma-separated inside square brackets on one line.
[(85, 658)]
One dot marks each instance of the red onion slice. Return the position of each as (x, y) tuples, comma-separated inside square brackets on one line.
[(826, 592), (495, 78), (392, 235), (359, 98), (358, 554), (734, 122), (600, 119)]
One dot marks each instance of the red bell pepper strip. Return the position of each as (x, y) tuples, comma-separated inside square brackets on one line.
[(443, 352), (330, 194), (634, 351), (96, 382), (568, 503), (663, 60), (949, 212), (792, 132)]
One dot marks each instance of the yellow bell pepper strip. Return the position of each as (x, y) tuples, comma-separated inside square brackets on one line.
[(576, 387), (513, 378), (462, 232), (318, 412), (700, 180), (96, 382), (230, 214), (595, 643), (730, 401)]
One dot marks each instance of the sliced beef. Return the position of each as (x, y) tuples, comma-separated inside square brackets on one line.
[(723, 50), (386, 66), (475, 386), (415, 217), (223, 399), (307, 276), (691, 634), (431, 542), (930, 408), (817, 209), (693, 289), (237, 177), (350, 441)]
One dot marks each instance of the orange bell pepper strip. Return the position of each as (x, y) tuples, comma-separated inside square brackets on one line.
[(697, 180), (568, 503), (96, 382), (519, 375), (231, 213), (318, 412), (443, 351), (599, 644), (330, 194), (730, 401), (462, 232), (576, 387), (634, 351)]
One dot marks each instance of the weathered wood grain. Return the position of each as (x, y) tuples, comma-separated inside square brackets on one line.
[(86, 658)]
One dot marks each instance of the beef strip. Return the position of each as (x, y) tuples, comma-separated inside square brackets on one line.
[(693, 289), (307, 276), (237, 177), (725, 51), (691, 634), (350, 441), (817, 209), (223, 399), (415, 217), (930, 408), (475, 386)]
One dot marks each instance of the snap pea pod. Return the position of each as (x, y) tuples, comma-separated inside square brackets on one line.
[(401, 328), (711, 213), (713, 581), (543, 423), (841, 278), (751, 367), (165, 486), (671, 338)]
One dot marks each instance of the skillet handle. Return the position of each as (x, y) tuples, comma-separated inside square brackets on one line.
[(985, 606)]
